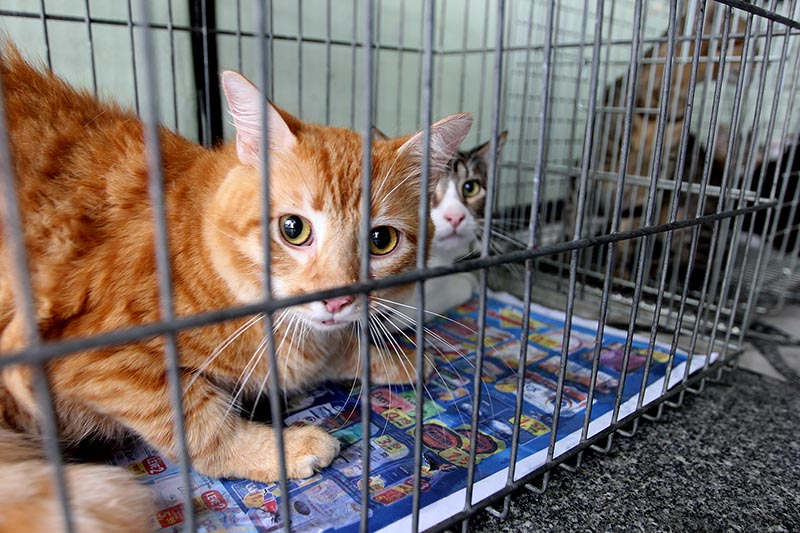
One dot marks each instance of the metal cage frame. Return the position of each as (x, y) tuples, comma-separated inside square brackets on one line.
[(647, 301)]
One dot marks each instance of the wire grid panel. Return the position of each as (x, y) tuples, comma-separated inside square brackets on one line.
[(749, 103), (595, 68)]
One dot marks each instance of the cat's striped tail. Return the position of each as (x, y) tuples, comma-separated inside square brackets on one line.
[(102, 498)]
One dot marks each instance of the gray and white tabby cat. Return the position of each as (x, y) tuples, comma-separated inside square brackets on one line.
[(457, 209)]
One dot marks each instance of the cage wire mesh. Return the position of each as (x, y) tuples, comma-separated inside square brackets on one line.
[(649, 180)]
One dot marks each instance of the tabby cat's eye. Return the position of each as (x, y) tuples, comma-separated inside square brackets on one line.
[(471, 188), (382, 240), (295, 229)]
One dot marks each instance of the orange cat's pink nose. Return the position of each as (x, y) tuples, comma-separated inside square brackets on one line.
[(454, 217), (334, 305)]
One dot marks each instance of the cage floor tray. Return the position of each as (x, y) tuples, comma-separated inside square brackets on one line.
[(330, 501)]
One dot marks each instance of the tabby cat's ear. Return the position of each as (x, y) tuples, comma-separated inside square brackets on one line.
[(378, 134), (446, 135), (245, 101), (483, 152)]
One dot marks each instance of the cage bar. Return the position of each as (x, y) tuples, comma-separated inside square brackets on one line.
[(366, 223), (485, 251), (422, 256), (587, 209), (156, 190), (265, 62)]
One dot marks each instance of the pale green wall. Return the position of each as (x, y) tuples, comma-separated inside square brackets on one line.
[(463, 66), (69, 46)]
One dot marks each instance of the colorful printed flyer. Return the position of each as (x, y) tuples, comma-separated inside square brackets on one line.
[(331, 500)]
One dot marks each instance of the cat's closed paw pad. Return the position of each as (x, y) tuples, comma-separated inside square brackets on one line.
[(308, 449)]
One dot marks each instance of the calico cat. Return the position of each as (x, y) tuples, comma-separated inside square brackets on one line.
[(458, 204), (81, 176), (457, 209)]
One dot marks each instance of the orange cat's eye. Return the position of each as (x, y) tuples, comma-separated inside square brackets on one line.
[(295, 229), (471, 188), (382, 240)]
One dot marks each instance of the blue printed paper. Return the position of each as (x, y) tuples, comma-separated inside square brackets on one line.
[(331, 500)]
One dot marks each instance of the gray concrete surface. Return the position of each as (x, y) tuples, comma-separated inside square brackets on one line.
[(728, 460)]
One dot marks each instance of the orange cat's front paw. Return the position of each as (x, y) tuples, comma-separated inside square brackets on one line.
[(308, 449)]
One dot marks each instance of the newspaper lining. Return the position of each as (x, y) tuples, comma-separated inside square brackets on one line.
[(330, 500)]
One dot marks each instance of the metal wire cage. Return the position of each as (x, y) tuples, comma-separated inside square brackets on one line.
[(648, 180)]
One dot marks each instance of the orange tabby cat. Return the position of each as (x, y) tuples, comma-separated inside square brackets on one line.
[(81, 176)]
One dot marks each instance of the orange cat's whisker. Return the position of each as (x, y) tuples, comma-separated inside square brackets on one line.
[(394, 342), (401, 356), (289, 328), (433, 334), (383, 358), (303, 333), (413, 175), (278, 324), (355, 377), (248, 370), (221, 348), (378, 192), (438, 315), (358, 368), (428, 331), (412, 323)]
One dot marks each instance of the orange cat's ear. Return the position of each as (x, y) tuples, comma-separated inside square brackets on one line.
[(245, 102), (446, 135)]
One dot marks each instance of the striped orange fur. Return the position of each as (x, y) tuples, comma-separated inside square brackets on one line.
[(81, 178)]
